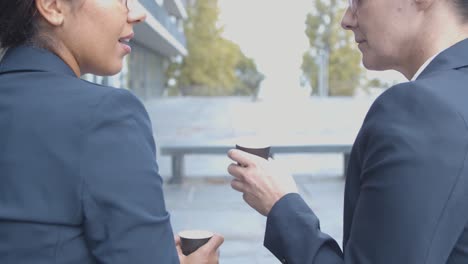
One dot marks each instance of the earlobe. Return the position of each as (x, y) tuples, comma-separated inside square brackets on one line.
[(51, 10)]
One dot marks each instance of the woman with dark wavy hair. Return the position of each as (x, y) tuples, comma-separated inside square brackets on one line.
[(79, 182)]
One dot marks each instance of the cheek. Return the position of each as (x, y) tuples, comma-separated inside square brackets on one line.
[(381, 38), (104, 56), (106, 37)]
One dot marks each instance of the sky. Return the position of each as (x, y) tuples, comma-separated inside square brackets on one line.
[(272, 33)]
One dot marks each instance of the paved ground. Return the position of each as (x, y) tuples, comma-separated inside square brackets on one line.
[(213, 205), (206, 201)]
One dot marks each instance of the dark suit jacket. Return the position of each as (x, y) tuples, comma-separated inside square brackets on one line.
[(79, 181), (406, 195)]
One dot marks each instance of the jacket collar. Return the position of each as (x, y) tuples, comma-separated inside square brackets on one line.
[(29, 58), (454, 57)]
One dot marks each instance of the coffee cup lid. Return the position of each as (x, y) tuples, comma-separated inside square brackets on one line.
[(195, 234)]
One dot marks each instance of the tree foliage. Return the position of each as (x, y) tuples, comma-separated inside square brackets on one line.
[(213, 65), (323, 29), (248, 77)]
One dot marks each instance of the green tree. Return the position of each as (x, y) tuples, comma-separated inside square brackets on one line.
[(325, 35), (248, 77), (211, 66)]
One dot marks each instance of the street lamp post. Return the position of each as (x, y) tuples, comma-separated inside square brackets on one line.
[(323, 57)]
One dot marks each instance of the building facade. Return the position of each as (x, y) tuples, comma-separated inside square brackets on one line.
[(156, 40)]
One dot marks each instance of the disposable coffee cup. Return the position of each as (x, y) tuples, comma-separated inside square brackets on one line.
[(254, 145), (263, 152), (191, 240)]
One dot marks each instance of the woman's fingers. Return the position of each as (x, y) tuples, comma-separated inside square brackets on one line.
[(179, 250), (213, 244), (244, 158), (236, 171), (238, 185), (177, 240)]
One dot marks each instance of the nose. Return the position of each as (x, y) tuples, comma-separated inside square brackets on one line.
[(136, 12), (349, 20)]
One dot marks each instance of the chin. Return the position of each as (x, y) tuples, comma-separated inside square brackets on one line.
[(109, 70), (114, 71), (373, 63)]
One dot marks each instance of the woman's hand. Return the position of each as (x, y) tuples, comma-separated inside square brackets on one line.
[(206, 254), (263, 182)]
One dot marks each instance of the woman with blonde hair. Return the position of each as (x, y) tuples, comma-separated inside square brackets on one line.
[(406, 194)]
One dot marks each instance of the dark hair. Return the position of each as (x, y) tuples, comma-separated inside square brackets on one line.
[(462, 8), (17, 22)]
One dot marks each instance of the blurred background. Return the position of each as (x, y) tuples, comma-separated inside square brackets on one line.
[(217, 70)]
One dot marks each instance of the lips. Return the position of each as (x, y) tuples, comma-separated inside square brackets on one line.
[(125, 42), (126, 39)]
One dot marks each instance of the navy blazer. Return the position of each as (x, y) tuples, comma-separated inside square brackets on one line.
[(406, 195), (79, 181)]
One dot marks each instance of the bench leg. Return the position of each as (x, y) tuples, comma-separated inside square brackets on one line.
[(345, 163), (177, 169)]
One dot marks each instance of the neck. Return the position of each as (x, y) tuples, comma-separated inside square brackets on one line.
[(69, 59), (436, 34), (47, 42)]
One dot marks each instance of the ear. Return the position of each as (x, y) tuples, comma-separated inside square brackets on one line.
[(52, 11), (423, 4)]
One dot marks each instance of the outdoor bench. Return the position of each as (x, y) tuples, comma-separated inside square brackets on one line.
[(178, 152)]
